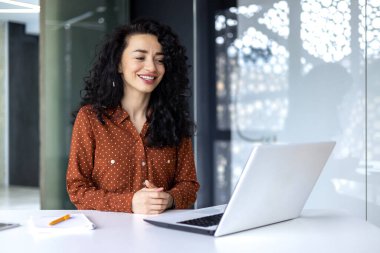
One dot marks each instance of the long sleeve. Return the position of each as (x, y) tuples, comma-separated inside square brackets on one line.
[(81, 187), (184, 191)]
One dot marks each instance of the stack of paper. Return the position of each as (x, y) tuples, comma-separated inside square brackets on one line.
[(77, 222)]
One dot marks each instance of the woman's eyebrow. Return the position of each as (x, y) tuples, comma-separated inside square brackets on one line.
[(145, 52), (140, 51)]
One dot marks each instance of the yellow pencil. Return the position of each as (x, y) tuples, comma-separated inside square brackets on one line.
[(63, 218)]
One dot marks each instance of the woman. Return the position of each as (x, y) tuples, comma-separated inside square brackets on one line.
[(131, 147)]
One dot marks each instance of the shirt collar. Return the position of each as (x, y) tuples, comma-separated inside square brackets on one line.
[(119, 115), (144, 130)]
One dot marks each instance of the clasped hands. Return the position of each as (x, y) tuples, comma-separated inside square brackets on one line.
[(151, 200)]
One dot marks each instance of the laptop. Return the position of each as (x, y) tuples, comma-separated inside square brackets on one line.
[(273, 187)]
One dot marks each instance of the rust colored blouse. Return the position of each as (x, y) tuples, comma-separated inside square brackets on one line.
[(109, 163)]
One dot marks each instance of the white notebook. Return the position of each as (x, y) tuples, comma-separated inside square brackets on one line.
[(78, 222)]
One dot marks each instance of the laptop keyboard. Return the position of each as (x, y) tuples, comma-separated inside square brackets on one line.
[(206, 221)]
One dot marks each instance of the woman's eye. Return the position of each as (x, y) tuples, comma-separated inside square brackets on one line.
[(140, 58)]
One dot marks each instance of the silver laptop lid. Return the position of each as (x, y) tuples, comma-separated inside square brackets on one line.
[(274, 185)]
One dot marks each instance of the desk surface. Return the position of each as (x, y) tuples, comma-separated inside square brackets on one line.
[(315, 231)]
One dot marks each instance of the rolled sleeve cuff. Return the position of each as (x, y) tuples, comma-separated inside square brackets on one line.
[(110, 203), (180, 201), (122, 203)]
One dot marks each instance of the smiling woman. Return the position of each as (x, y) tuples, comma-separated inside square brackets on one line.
[(131, 147)]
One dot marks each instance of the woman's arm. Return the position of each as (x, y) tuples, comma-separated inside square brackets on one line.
[(184, 191), (81, 188)]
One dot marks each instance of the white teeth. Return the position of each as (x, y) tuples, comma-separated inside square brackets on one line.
[(147, 77)]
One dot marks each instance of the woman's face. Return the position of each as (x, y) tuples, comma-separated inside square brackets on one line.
[(141, 65)]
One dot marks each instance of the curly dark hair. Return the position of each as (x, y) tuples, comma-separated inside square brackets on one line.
[(169, 120)]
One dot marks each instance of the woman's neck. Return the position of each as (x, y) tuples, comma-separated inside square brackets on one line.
[(135, 104)]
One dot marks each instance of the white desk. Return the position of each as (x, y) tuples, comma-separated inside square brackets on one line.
[(315, 231)]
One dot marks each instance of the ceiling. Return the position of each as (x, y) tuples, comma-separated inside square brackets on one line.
[(21, 11)]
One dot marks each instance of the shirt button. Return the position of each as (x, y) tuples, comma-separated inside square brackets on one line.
[(143, 163), (112, 161)]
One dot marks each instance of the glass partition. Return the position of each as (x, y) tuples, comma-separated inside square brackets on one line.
[(372, 44), (69, 34), (301, 71)]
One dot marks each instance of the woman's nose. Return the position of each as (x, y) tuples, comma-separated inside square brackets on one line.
[(150, 65)]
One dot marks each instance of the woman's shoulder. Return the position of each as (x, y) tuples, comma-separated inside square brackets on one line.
[(86, 111)]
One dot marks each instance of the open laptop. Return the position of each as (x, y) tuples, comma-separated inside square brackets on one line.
[(273, 187)]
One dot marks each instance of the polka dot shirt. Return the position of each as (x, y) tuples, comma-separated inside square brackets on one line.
[(109, 163)]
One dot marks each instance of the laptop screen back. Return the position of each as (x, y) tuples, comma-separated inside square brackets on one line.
[(274, 185)]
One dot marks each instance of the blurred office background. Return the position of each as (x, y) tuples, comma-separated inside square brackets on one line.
[(262, 72)]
